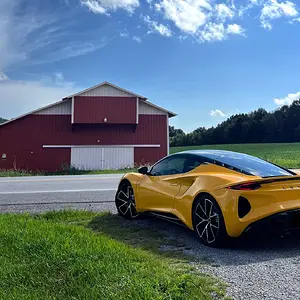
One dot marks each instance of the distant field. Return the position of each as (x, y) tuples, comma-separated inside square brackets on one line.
[(286, 155)]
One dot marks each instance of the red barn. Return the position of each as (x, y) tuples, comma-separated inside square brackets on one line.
[(103, 127)]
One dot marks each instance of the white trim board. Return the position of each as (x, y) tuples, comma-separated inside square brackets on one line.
[(101, 146), (72, 111), (168, 137)]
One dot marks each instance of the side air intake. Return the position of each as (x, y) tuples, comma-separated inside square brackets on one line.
[(244, 207)]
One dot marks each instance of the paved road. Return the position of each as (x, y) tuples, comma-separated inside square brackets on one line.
[(37, 194)]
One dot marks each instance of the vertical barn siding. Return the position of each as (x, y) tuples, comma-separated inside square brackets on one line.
[(21, 137), (64, 108), (118, 158), (102, 158), (106, 90), (146, 156), (87, 158), (93, 110)]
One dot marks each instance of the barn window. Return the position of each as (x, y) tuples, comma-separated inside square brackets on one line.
[(3, 155)]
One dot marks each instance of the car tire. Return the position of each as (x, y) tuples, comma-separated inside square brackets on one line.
[(208, 222), (125, 201)]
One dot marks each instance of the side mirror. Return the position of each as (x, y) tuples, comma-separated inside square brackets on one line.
[(143, 170)]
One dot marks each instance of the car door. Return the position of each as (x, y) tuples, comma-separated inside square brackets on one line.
[(157, 190)]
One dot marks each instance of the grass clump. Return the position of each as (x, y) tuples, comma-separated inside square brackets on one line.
[(72, 171), (52, 256), (15, 173)]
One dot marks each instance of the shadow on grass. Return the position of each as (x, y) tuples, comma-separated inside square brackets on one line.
[(147, 233), (173, 241)]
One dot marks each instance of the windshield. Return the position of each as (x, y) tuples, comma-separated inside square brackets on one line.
[(248, 164)]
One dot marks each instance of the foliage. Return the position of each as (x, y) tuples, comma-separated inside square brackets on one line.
[(45, 257), (259, 126), (3, 120), (71, 171)]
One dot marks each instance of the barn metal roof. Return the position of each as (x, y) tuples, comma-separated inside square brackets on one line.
[(171, 114)]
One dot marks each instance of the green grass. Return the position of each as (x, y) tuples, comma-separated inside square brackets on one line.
[(286, 155), (70, 255), (14, 173), (21, 173)]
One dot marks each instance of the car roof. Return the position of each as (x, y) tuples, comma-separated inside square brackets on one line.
[(210, 152), (241, 162)]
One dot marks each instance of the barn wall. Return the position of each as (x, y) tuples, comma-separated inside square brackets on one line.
[(23, 139), (93, 110), (146, 156)]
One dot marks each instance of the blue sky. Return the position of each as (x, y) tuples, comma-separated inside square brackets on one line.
[(203, 59)]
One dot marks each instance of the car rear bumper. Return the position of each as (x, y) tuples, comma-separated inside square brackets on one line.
[(277, 223)]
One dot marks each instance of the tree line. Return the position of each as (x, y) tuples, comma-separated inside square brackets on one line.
[(2, 120), (259, 126)]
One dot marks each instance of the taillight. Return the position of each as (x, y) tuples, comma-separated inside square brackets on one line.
[(245, 186)]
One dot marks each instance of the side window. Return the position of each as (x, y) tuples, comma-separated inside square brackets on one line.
[(169, 166), (191, 163)]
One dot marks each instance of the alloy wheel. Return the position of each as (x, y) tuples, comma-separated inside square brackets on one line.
[(125, 202), (207, 221)]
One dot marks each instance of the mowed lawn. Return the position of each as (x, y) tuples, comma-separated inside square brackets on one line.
[(73, 255), (286, 155)]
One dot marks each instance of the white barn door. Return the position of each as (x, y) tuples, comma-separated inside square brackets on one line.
[(98, 158)]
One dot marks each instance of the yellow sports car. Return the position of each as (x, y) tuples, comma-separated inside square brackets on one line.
[(218, 194)]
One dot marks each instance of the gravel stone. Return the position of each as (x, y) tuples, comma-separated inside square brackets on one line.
[(252, 268)]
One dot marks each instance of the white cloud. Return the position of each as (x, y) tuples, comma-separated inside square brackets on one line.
[(188, 15), (218, 32), (137, 39), (273, 9), (94, 6), (58, 80), (124, 34), (288, 100), (3, 76), (224, 12), (29, 36), (213, 32), (155, 27), (59, 77), (105, 6), (235, 29), (200, 19), (20, 97), (217, 113), (162, 29)]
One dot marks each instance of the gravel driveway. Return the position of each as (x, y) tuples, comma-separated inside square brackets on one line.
[(252, 268)]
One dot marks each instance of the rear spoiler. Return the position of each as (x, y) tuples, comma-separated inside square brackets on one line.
[(256, 184), (277, 179)]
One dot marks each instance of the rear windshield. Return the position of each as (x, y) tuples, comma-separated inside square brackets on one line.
[(248, 164)]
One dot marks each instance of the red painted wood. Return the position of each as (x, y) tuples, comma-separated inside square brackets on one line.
[(93, 110), (23, 136)]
